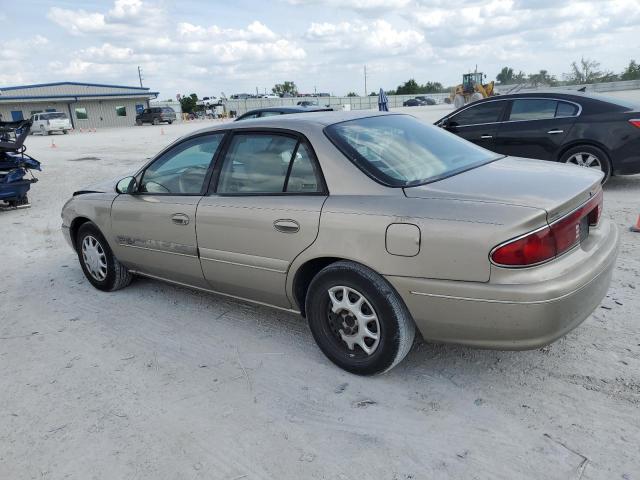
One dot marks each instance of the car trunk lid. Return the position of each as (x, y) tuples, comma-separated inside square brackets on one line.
[(556, 188)]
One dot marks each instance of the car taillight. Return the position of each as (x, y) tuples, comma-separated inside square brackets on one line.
[(552, 241), (635, 122)]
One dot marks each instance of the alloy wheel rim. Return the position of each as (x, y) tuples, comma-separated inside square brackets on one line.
[(94, 258), (353, 321), (585, 159)]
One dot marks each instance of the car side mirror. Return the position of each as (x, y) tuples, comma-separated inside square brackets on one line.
[(128, 186)]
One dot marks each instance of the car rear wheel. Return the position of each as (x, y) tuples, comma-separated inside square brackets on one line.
[(357, 319), (588, 157), (98, 263), (139, 122)]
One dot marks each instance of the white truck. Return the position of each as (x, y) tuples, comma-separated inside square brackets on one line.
[(48, 122)]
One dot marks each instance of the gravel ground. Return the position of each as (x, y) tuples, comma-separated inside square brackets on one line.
[(161, 382)]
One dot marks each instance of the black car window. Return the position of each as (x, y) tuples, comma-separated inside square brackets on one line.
[(566, 109), (259, 163), (488, 112), (182, 170), (533, 109)]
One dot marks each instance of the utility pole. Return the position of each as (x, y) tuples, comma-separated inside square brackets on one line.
[(365, 81), (140, 75)]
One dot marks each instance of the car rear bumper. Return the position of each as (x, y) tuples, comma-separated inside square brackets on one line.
[(515, 316)]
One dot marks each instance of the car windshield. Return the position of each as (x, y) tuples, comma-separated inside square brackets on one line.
[(400, 151), (51, 116)]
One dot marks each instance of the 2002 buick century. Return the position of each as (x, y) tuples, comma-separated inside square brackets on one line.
[(368, 224)]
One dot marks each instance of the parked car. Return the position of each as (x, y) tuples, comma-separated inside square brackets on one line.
[(588, 130), (48, 122), (271, 111), (156, 115), (426, 100), (368, 224), (418, 102), (307, 103)]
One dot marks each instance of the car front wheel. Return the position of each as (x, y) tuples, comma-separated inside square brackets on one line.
[(357, 319), (588, 157), (98, 263)]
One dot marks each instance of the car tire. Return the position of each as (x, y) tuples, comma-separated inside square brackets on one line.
[(99, 264), (139, 122), (65, 132), (156, 121), (336, 323), (169, 122), (589, 157)]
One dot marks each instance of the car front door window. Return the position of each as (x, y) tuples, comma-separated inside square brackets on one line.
[(488, 112), (183, 169)]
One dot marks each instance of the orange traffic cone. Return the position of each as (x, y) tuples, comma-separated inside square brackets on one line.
[(636, 227), (53, 144), (162, 131), (81, 130)]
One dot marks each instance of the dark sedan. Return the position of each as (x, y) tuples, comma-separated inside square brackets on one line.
[(419, 102), (583, 129), (270, 111)]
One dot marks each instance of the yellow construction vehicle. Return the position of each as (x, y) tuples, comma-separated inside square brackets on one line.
[(470, 90)]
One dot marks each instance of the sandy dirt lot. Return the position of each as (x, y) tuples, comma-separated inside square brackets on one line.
[(160, 382)]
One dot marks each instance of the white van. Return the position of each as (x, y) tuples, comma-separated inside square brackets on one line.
[(47, 122)]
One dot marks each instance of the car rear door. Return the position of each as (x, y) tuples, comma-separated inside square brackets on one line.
[(155, 228), (536, 127), (263, 210), (477, 122)]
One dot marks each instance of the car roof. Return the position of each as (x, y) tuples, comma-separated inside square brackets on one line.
[(288, 109), (295, 121), (571, 95)]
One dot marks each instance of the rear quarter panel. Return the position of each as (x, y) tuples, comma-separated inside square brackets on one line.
[(455, 236), (95, 207)]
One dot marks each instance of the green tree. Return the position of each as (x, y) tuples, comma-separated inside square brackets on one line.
[(410, 87), (286, 87), (188, 104), (505, 77), (632, 72), (542, 78), (352, 94), (584, 71)]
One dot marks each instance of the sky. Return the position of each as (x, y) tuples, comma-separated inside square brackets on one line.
[(238, 46)]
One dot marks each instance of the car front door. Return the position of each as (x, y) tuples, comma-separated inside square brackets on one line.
[(264, 209), (477, 123), (536, 127), (155, 228)]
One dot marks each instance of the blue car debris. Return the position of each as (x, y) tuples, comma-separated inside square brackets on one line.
[(15, 165)]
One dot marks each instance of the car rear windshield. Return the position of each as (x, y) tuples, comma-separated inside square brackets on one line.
[(400, 151), (51, 116)]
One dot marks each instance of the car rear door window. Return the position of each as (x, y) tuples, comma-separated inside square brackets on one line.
[(183, 169), (488, 112), (566, 109), (257, 163), (270, 114), (533, 109)]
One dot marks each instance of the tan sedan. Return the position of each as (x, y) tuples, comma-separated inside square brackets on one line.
[(368, 224)]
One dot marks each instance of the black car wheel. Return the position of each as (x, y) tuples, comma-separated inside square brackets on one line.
[(138, 122), (588, 156), (357, 319), (98, 263)]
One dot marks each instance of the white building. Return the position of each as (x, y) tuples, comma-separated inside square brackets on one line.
[(88, 105)]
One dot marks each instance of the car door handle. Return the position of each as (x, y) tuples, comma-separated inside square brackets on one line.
[(286, 226), (486, 136), (553, 132), (180, 219)]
